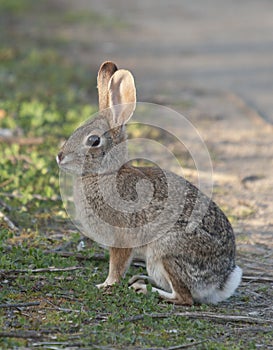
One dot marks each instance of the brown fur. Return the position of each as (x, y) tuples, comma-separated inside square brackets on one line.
[(182, 293), (122, 93), (105, 73), (119, 262), (194, 256)]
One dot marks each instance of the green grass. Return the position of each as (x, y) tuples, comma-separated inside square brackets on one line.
[(44, 96), (72, 310)]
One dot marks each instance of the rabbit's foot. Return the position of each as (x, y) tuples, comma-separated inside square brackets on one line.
[(139, 283), (141, 278), (139, 286), (178, 293), (107, 283), (103, 285)]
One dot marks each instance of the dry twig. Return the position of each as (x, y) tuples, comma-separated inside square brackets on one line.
[(203, 315), (54, 345), (10, 224), (20, 305), (21, 334), (58, 308), (186, 346), (42, 270), (258, 279)]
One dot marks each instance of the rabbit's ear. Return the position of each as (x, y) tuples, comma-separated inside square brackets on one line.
[(107, 69), (122, 92)]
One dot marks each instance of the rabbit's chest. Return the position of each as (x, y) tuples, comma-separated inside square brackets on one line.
[(85, 201)]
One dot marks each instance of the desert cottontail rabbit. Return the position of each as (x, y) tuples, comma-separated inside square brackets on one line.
[(185, 261)]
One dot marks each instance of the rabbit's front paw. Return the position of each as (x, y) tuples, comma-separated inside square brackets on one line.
[(105, 284), (102, 285)]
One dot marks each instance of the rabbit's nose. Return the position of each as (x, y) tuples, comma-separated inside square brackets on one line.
[(60, 157)]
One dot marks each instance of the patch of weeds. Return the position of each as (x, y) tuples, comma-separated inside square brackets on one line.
[(43, 99), (15, 7), (57, 84)]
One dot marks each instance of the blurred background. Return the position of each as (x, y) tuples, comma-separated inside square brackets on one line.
[(171, 46), (210, 60), (175, 45)]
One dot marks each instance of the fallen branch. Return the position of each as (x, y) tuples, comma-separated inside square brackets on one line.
[(255, 262), (58, 308), (257, 279), (42, 270), (256, 329), (54, 345), (24, 335), (202, 315), (19, 305), (186, 346), (10, 224)]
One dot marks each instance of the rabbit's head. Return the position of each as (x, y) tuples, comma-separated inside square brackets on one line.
[(87, 148)]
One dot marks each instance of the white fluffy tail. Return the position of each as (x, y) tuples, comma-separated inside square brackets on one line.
[(212, 295)]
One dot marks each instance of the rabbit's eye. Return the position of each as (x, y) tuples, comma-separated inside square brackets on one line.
[(93, 141)]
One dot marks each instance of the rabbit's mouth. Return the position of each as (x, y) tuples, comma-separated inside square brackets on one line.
[(65, 159), (79, 167), (67, 163)]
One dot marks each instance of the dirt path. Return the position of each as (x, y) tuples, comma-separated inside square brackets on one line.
[(174, 45)]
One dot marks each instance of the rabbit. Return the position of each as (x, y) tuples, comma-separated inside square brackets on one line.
[(188, 262)]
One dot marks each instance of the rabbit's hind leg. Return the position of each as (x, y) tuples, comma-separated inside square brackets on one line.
[(178, 293), (182, 298)]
